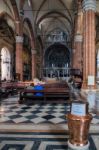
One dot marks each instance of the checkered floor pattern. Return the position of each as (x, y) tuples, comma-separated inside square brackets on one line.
[(12, 112), (54, 113)]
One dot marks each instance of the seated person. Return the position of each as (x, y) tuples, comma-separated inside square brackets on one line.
[(39, 87), (30, 87), (71, 80)]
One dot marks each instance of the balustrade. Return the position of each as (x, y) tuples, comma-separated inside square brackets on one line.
[(56, 72)]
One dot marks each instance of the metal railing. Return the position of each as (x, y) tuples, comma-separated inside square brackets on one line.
[(56, 72)]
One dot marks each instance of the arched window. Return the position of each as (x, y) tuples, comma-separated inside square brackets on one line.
[(5, 64)]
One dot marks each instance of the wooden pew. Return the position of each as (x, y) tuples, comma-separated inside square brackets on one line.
[(46, 94), (56, 93), (31, 94)]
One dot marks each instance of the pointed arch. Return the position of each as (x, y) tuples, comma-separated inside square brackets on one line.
[(5, 64), (15, 9), (27, 20)]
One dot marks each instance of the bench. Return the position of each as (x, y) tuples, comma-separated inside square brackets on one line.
[(11, 87), (3, 93), (30, 94), (46, 94), (57, 93)]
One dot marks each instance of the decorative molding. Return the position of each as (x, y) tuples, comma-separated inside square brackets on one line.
[(89, 5), (78, 38), (19, 39), (17, 21), (33, 52)]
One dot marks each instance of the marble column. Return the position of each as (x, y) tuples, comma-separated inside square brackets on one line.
[(77, 53), (33, 64), (19, 47), (89, 51), (19, 61)]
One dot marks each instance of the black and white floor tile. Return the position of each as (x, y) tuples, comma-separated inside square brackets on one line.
[(16, 117), (40, 141), (12, 112), (54, 113)]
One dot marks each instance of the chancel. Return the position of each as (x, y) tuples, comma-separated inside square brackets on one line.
[(49, 70)]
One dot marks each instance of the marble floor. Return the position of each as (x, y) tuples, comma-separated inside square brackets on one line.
[(38, 126), (40, 141), (11, 112)]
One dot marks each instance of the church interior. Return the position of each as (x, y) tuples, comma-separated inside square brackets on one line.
[(49, 74)]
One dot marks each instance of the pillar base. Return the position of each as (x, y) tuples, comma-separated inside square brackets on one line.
[(84, 85), (74, 147)]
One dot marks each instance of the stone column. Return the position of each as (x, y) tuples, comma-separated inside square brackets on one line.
[(33, 64), (19, 61), (41, 62), (89, 52), (77, 52)]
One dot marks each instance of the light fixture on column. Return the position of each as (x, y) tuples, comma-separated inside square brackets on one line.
[(21, 12), (78, 38)]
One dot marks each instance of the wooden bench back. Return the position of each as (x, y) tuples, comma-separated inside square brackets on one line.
[(57, 90), (56, 85)]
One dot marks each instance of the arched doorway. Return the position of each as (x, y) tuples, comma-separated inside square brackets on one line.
[(5, 64), (57, 61)]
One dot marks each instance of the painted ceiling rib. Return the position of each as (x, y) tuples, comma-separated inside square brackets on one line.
[(63, 5), (15, 9), (29, 25), (66, 9), (41, 5), (53, 12), (61, 21), (22, 2), (6, 3), (51, 21)]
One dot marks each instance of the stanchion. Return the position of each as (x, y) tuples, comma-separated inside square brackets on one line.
[(78, 123)]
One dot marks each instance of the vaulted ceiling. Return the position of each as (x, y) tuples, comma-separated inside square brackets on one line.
[(47, 15), (52, 14)]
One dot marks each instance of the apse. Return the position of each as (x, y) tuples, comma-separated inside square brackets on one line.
[(57, 61), (57, 55)]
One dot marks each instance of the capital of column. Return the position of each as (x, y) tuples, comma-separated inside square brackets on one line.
[(33, 52), (78, 38), (19, 39), (89, 5)]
